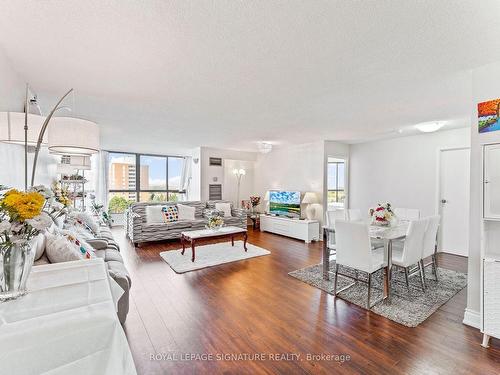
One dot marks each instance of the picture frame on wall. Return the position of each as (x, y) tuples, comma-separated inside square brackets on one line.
[(488, 114)]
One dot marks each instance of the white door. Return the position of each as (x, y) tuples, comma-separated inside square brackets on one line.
[(454, 201), (492, 181)]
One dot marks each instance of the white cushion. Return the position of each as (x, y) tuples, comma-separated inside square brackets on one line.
[(225, 207), (52, 228), (66, 247), (80, 231), (38, 246), (186, 212), (89, 220), (154, 214), (60, 221)]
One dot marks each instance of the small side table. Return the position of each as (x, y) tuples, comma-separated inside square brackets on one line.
[(255, 220)]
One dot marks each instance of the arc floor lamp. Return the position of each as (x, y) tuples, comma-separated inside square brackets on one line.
[(66, 135)]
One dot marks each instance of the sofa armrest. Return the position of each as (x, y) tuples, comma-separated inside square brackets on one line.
[(239, 212), (120, 274)]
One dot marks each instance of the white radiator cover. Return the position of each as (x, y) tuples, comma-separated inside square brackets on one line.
[(491, 297)]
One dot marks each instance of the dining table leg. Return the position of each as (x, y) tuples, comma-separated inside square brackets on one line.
[(326, 256), (388, 270)]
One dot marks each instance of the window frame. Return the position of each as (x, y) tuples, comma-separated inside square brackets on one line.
[(138, 189), (337, 190)]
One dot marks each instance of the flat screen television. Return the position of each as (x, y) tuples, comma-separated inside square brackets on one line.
[(284, 203)]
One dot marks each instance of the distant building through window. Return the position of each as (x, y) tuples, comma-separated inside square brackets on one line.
[(138, 177)]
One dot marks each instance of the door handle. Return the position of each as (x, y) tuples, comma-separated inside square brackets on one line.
[(443, 201)]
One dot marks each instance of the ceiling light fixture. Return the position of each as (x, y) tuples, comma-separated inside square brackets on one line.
[(265, 147), (429, 127)]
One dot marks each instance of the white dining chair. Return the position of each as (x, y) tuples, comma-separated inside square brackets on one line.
[(354, 250), (430, 243), (408, 214), (409, 252), (354, 214), (331, 217)]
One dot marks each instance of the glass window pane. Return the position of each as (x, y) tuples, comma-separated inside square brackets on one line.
[(332, 196), (332, 176), (121, 173), (153, 196), (341, 172), (153, 173), (341, 196), (175, 197), (118, 202), (174, 173)]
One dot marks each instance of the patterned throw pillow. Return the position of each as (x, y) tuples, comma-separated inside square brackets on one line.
[(64, 246), (85, 249), (170, 214)]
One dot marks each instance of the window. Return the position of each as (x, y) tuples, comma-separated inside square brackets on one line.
[(145, 178), (336, 185)]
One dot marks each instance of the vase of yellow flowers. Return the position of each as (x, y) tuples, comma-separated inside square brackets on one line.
[(23, 216)]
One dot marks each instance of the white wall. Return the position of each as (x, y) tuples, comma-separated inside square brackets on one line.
[(12, 87), (485, 86), (12, 166), (194, 190), (296, 167), (216, 175), (402, 171)]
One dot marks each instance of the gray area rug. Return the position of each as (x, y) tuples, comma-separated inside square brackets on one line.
[(407, 308), (211, 255)]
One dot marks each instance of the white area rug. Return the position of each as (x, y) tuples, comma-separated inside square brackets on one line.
[(210, 255)]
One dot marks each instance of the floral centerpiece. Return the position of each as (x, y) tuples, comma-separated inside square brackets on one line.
[(214, 220), (382, 214), (246, 204), (23, 216)]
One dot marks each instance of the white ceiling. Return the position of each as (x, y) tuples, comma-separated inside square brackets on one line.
[(163, 74)]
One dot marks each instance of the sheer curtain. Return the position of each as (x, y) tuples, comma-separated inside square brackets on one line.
[(102, 180), (185, 176)]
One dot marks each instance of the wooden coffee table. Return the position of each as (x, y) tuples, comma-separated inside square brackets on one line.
[(194, 236)]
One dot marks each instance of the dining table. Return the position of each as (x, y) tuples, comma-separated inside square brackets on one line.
[(388, 234)]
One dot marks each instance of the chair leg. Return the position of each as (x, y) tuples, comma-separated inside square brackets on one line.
[(422, 273), (369, 289), (434, 267), (407, 279), (335, 280)]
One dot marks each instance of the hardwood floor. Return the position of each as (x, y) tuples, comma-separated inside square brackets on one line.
[(253, 307)]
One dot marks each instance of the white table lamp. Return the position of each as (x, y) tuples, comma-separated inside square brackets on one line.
[(310, 199)]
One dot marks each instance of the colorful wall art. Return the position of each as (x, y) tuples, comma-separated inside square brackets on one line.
[(488, 116)]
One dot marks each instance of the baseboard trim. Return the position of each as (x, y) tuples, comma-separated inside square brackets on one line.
[(472, 318)]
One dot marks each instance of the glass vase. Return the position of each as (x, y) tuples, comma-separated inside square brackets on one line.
[(16, 261)]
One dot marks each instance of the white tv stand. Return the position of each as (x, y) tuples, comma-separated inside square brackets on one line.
[(306, 230)]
